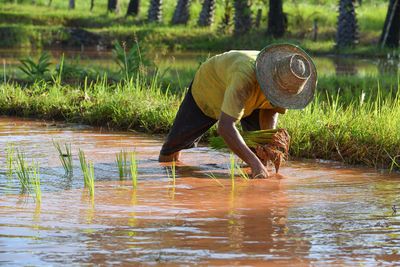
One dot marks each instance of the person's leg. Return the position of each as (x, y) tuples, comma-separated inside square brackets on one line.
[(251, 122), (189, 126), (260, 119)]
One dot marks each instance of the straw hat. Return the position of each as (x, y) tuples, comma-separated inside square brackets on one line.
[(287, 75)]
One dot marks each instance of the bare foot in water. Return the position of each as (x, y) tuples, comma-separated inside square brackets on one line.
[(168, 158)]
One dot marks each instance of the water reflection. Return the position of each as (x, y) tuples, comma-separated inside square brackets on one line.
[(311, 214), (327, 65)]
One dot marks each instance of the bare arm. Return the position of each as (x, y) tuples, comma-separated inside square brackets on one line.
[(227, 130)]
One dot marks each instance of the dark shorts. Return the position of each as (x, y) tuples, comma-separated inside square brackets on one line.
[(191, 123)]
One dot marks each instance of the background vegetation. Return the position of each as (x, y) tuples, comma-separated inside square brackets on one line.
[(23, 24)]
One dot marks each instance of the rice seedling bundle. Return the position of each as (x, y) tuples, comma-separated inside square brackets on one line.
[(275, 143)]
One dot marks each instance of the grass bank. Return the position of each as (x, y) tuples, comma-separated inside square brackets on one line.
[(361, 130)]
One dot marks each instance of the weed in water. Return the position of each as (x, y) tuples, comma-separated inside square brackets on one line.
[(36, 71), (130, 62), (22, 172), (121, 162), (35, 181), (133, 166), (65, 158)]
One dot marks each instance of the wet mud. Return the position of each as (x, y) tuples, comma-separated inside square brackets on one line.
[(312, 213)]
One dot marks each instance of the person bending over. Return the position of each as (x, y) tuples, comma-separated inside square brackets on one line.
[(250, 87)]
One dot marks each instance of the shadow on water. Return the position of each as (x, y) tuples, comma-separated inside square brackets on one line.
[(310, 214)]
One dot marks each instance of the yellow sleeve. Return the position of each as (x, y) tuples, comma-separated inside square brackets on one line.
[(236, 95)]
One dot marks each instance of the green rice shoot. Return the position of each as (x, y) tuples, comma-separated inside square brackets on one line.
[(121, 162), (90, 178), (65, 158), (134, 169), (232, 169), (212, 176), (22, 172), (35, 181), (10, 158), (243, 174)]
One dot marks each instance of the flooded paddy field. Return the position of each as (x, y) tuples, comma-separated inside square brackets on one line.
[(312, 213)]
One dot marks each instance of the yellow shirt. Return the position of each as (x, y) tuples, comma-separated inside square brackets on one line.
[(228, 83)]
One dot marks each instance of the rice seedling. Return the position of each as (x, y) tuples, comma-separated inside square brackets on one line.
[(90, 178), (22, 172), (10, 158), (35, 181), (133, 167), (84, 167), (232, 169), (87, 171), (65, 158), (173, 172), (212, 176), (243, 174), (274, 141), (121, 162)]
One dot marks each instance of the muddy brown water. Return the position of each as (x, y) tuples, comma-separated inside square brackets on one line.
[(314, 213)]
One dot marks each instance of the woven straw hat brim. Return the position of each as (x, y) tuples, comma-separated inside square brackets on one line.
[(265, 64)]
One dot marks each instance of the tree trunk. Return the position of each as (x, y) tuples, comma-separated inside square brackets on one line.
[(71, 4), (155, 11), (276, 19), (243, 18), (181, 13), (206, 17), (347, 28), (113, 6), (133, 8), (391, 29), (91, 5)]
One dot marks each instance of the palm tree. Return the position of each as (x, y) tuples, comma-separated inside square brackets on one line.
[(277, 21), (113, 5), (391, 29), (347, 28), (206, 17), (133, 8), (155, 11), (71, 4), (243, 18), (181, 13)]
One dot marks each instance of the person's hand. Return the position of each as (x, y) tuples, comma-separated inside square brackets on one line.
[(258, 171)]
